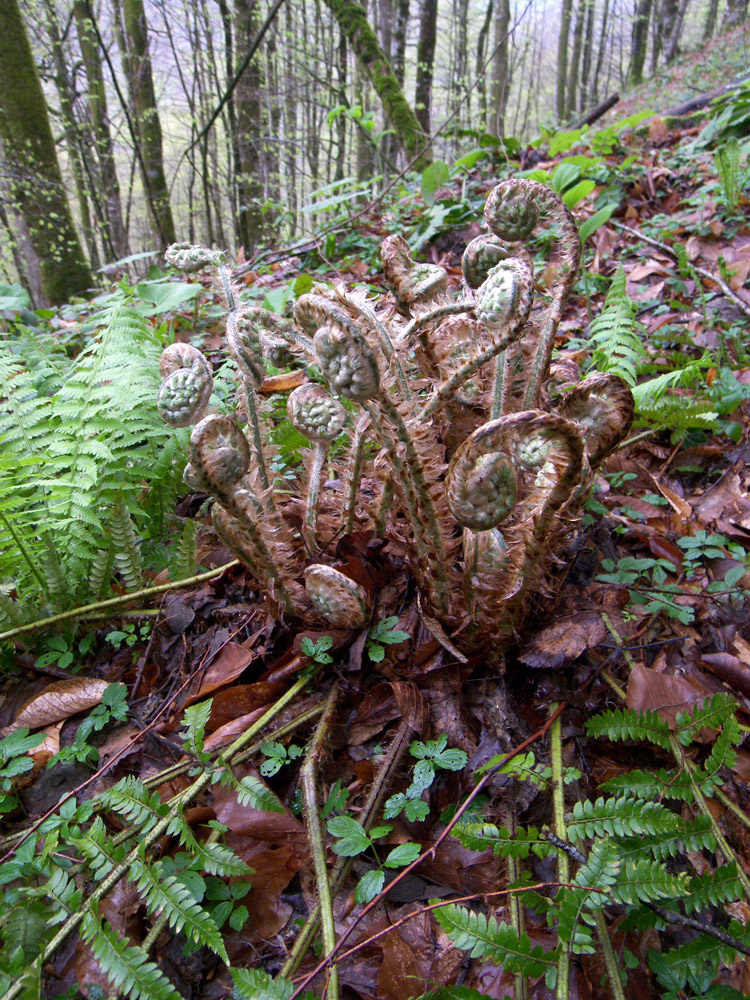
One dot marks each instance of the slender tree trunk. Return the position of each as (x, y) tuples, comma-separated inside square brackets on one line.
[(710, 24), (36, 184), (65, 88), (460, 61), (399, 40), (600, 54), (588, 47), (353, 22), (673, 47), (501, 68), (562, 57), (484, 32), (137, 63), (575, 61), (249, 127), (639, 42), (735, 14), (426, 63), (109, 186)]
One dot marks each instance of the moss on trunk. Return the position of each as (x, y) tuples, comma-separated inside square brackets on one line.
[(353, 22), (36, 184)]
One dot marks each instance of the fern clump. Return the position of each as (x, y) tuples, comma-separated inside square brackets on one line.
[(82, 463)]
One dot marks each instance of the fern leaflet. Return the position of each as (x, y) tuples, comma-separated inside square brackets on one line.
[(126, 967), (625, 724), (616, 346), (495, 941), (623, 817)]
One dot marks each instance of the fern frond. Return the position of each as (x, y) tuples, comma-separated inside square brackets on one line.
[(185, 564), (691, 959), (131, 799), (12, 613), (125, 544), (661, 784), (645, 881), (623, 817), (253, 792), (100, 572), (24, 928), (695, 835), (599, 873), (625, 724), (100, 853), (126, 967), (497, 942), (254, 984), (176, 901), (454, 993), (62, 890), (216, 859), (722, 885), (711, 714), (194, 721), (503, 843), (614, 340)]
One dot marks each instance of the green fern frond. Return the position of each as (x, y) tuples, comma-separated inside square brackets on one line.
[(503, 843), (252, 792), (25, 929), (660, 784), (131, 799), (723, 754), (185, 565), (623, 817), (62, 890), (695, 835), (497, 942), (692, 958), (176, 901), (599, 873), (454, 993), (125, 544), (715, 888), (680, 413), (711, 714), (645, 881), (126, 967), (215, 859), (100, 572), (614, 340), (625, 724), (194, 721), (254, 984), (12, 613), (100, 853)]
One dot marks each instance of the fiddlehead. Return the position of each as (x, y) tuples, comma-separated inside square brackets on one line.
[(186, 390), (603, 407), (190, 258), (336, 597), (410, 281)]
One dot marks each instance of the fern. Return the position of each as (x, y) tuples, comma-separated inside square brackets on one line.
[(623, 817), (185, 563), (254, 984), (216, 859), (712, 889), (194, 721), (98, 850), (175, 899), (518, 844), (625, 724), (497, 942), (645, 881), (127, 556), (614, 340), (126, 967), (131, 799), (659, 784), (711, 714), (598, 873), (691, 959), (694, 835)]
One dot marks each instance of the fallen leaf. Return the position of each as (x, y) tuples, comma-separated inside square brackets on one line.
[(665, 694), (226, 666), (658, 131), (282, 383), (59, 701), (564, 640)]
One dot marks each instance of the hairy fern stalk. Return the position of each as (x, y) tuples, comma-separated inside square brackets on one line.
[(480, 511), (78, 442)]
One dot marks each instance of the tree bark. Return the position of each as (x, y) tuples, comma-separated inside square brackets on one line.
[(673, 47), (562, 58), (353, 22), (425, 63), (575, 61), (399, 41), (484, 32), (735, 14), (137, 62), (36, 184), (109, 185), (501, 68), (639, 41), (249, 127), (588, 48)]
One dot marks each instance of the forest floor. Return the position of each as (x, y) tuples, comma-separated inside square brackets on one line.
[(650, 612)]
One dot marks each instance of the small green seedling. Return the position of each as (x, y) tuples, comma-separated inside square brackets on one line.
[(62, 650), (355, 840), (316, 649), (112, 708), (128, 635), (383, 634), (278, 755)]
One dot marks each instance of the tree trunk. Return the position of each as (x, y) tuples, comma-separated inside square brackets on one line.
[(600, 53), (588, 48), (425, 63), (480, 61), (575, 61), (249, 125), (639, 42), (710, 25), (109, 186), (353, 22), (735, 14), (501, 68), (673, 47), (137, 63), (399, 41), (36, 185), (562, 58)]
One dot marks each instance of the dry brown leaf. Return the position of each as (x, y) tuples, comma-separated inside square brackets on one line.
[(564, 640), (665, 694), (49, 746), (281, 383), (59, 701), (228, 664), (231, 730)]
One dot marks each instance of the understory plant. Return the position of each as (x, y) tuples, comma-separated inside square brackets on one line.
[(482, 457), (87, 468)]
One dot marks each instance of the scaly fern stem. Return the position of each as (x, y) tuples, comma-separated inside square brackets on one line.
[(385, 341), (357, 455), (563, 861), (114, 602), (252, 413), (160, 828), (502, 379), (308, 776), (369, 813), (419, 322), (610, 959), (313, 491), (700, 800)]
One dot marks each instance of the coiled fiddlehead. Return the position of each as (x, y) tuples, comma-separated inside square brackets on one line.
[(186, 390), (336, 597), (409, 281), (190, 258)]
